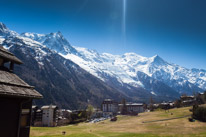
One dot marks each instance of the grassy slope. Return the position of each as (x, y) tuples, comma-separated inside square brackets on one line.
[(131, 126)]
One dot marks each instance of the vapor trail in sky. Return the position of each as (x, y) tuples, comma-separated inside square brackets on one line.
[(124, 21)]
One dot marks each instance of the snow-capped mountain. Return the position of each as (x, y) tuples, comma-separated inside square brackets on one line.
[(133, 76), (4, 31), (54, 41), (125, 68), (59, 80)]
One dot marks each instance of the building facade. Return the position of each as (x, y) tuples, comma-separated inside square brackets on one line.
[(36, 116), (49, 115), (133, 108), (109, 106)]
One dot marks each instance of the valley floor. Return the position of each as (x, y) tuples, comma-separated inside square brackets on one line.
[(131, 126)]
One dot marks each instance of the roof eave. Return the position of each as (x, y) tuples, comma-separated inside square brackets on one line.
[(20, 95)]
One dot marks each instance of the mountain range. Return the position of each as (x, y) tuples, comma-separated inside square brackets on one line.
[(73, 77)]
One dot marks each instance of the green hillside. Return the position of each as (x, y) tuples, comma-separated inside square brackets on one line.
[(132, 126)]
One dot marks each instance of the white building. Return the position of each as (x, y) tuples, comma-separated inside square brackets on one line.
[(109, 107), (49, 115)]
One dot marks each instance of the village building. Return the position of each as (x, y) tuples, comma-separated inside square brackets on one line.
[(65, 113), (38, 120), (33, 114), (187, 100), (49, 115), (201, 98), (133, 108), (98, 113), (164, 105), (15, 98), (64, 117), (109, 107), (36, 116)]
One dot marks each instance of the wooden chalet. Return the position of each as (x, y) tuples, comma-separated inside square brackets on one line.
[(187, 100), (15, 98)]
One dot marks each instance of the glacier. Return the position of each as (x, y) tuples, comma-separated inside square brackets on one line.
[(130, 68)]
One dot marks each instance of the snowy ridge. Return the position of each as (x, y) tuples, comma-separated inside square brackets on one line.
[(10, 38), (54, 41), (4, 31), (125, 68)]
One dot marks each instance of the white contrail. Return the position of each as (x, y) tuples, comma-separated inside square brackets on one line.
[(124, 21)]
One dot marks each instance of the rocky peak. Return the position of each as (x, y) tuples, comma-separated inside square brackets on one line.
[(157, 60), (3, 26), (3, 29)]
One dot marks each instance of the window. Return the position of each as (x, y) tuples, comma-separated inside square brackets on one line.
[(25, 117)]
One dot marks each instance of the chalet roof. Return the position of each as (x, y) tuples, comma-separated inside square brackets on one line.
[(135, 104), (49, 106), (109, 101), (38, 110), (12, 85), (66, 110), (34, 106), (132, 104), (8, 56), (69, 111), (187, 96), (186, 101)]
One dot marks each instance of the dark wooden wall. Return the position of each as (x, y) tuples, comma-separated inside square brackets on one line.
[(9, 117)]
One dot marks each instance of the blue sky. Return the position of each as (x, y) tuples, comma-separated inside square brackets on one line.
[(173, 29)]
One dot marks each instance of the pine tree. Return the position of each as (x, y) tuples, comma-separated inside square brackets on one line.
[(124, 107)]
